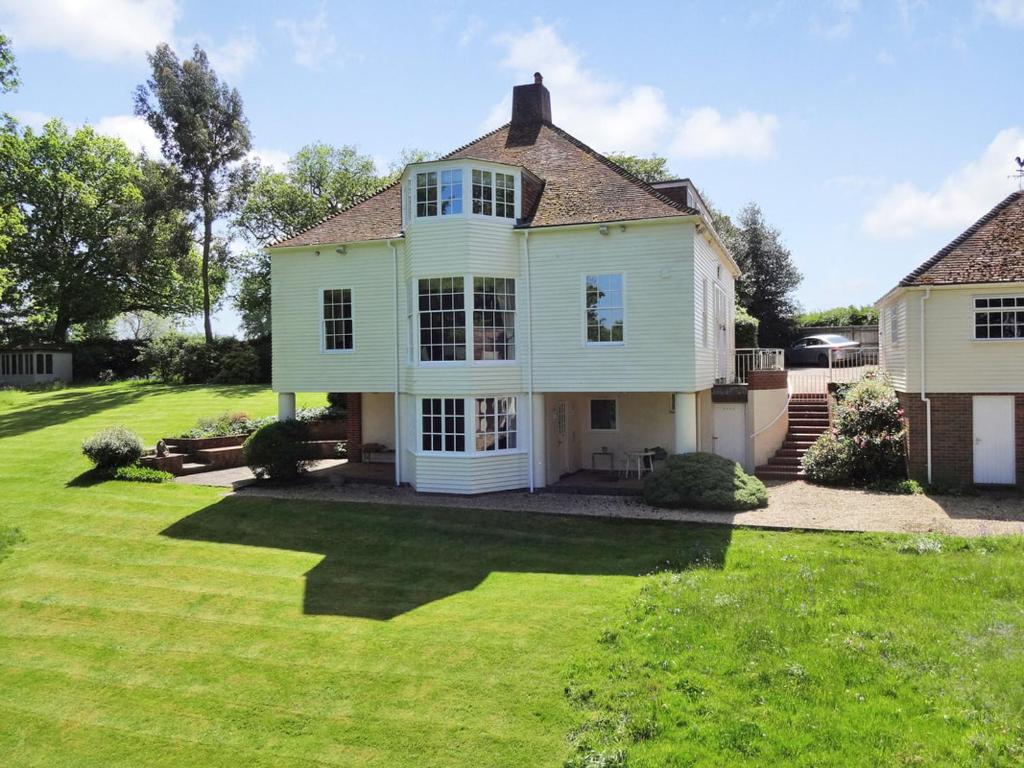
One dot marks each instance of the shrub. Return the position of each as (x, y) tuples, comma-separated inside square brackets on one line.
[(237, 423), (839, 316), (138, 474), (866, 445), (112, 448), (746, 326), (275, 451), (240, 365), (187, 359), (703, 481)]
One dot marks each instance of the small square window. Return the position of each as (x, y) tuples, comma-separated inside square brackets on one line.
[(603, 415)]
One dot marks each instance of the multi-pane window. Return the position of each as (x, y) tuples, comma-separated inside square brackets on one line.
[(605, 313), (999, 317), (604, 414), (505, 195), (442, 308), (483, 192), (337, 319), (495, 423), (426, 193), (443, 424), (494, 318), (451, 192)]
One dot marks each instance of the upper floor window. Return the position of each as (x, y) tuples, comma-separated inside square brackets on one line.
[(494, 194), (494, 318), (605, 309), (439, 192), (483, 192), (443, 424), (442, 308), (337, 319), (495, 423), (999, 317)]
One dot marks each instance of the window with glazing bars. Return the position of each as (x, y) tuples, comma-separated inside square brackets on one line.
[(505, 195), (426, 193), (494, 318), (999, 317), (495, 423), (605, 309), (442, 310), (338, 319), (443, 424), (483, 192)]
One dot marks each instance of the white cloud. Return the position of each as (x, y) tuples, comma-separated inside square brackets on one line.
[(232, 57), (706, 133), (133, 131), (275, 159), (312, 39), (839, 24), (31, 118), (1006, 11), (107, 30), (906, 210), (612, 116)]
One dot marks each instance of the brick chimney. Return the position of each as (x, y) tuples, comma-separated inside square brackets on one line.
[(531, 103)]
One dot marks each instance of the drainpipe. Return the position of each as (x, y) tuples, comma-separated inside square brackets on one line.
[(398, 410), (529, 356), (924, 398)]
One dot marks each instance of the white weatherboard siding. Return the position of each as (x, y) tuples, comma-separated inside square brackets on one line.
[(956, 362), (299, 362), (709, 265), (657, 263), (472, 473), (893, 329)]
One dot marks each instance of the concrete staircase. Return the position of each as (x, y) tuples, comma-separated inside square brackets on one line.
[(808, 418)]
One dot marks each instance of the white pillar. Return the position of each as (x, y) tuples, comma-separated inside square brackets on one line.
[(686, 422), (537, 437), (285, 406)]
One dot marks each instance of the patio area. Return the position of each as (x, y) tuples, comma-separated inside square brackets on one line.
[(599, 482)]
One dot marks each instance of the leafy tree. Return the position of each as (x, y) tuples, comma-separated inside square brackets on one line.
[(405, 157), (851, 315), (203, 132), (769, 276), (9, 80), (98, 234), (653, 168), (318, 181)]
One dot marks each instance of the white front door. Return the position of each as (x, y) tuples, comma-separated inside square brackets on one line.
[(730, 431), (721, 334), (994, 456)]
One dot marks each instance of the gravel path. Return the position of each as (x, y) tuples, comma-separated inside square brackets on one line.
[(791, 505)]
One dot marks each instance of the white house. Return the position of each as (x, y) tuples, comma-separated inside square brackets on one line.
[(952, 341), (27, 365), (517, 310)]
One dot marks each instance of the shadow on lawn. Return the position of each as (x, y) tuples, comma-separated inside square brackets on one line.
[(382, 561)]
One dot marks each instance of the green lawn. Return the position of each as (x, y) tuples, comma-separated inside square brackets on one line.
[(167, 625)]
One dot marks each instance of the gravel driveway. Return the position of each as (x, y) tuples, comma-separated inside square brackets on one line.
[(791, 505)]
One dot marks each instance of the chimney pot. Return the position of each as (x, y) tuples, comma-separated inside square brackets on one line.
[(538, 78)]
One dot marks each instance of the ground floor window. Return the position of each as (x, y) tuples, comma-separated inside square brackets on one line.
[(604, 414), (443, 424), (495, 423)]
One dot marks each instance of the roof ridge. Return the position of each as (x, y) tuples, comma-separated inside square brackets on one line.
[(960, 239), (379, 191)]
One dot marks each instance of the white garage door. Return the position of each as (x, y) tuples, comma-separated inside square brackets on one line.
[(994, 456)]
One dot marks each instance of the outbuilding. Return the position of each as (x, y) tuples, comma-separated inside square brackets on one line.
[(41, 364)]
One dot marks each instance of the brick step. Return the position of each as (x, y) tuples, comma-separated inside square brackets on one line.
[(808, 406), (194, 468), (775, 473), (812, 423), (784, 451), (804, 435), (784, 461), (221, 458)]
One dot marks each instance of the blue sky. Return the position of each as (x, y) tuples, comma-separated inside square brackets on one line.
[(870, 133)]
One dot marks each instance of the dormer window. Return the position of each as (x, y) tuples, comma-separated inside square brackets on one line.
[(433, 187), (494, 194), (440, 193)]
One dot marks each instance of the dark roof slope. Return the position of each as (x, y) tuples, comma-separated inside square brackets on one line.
[(579, 186), (990, 251)]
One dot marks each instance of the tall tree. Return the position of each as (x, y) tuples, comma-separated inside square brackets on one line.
[(318, 181), (653, 168), (8, 68), (98, 235), (769, 276), (204, 133)]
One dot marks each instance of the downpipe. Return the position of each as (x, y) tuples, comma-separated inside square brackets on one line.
[(924, 390), (398, 409)]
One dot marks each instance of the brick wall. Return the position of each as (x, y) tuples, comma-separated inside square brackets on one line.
[(354, 425), (952, 437), (767, 379)]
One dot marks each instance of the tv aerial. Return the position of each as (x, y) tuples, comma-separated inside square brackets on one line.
[(1019, 174)]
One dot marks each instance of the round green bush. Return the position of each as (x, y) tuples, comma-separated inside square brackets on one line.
[(703, 481), (113, 447), (829, 460), (275, 451)]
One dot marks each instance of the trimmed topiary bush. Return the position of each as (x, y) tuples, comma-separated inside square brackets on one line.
[(113, 447), (138, 474), (703, 481), (275, 451)]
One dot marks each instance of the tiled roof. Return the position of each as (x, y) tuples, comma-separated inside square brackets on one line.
[(990, 251), (580, 186)]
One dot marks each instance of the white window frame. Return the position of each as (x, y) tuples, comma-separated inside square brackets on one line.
[(514, 432), (471, 321), (467, 417), (583, 310), (1019, 307), (467, 299), (469, 432), (590, 414), (323, 322)]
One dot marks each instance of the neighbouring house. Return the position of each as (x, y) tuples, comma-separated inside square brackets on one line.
[(952, 341), (515, 311), (26, 365)]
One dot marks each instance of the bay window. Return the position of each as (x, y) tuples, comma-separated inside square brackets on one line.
[(505, 195), (495, 423), (443, 424), (442, 307), (444, 321), (494, 318), (483, 192)]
